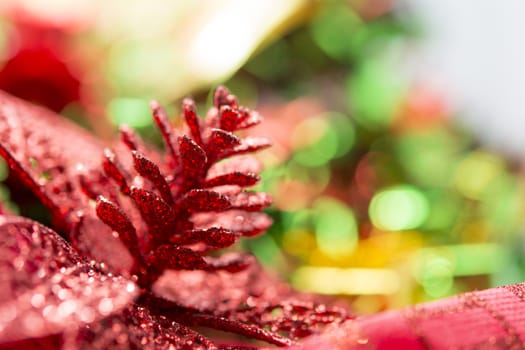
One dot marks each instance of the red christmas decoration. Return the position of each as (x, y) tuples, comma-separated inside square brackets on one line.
[(133, 267)]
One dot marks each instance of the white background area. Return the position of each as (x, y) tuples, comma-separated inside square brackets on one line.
[(473, 51)]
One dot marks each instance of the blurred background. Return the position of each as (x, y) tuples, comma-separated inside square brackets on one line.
[(397, 159)]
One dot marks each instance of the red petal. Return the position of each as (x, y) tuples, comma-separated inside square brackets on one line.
[(229, 262), (249, 144), (204, 200), (235, 178), (137, 328), (193, 162), (190, 115), (166, 129), (223, 97), (219, 143), (238, 221), (250, 201), (172, 257), (114, 170), (157, 214), (237, 119), (216, 237), (43, 150), (229, 118), (151, 171), (119, 222), (95, 240), (46, 287), (249, 330), (129, 137), (243, 164), (249, 119)]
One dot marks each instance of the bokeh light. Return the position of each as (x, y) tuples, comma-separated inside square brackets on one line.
[(399, 208), (335, 228)]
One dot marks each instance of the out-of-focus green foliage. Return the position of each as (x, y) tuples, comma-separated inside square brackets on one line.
[(388, 184)]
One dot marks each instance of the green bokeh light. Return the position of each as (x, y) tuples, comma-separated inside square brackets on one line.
[(345, 130), (503, 205), (375, 91), (318, 176), (265, 249), (333, 31), (335, 227), (437, 279), (320, 152), (429, 156), (435, 268), (398, 208), (444, 209), (338, 137), (134, 112)]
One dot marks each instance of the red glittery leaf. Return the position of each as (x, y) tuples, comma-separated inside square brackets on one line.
[(155, 212), (223, 97), (92, 238), (216, 237), (250, 201), (295, 318), (190, 115), (248, 330), (151, 171), (114, 170), (248, 118), (204, 200), (193, 161), (43, 150), (175, 258), (86, 186), (172, 257), (249, 144), (249, 301), (237, 119), (241, 222), (130, 138), (235, 178), (137, 328), (221, 143), (205, 319), (40, 191), (112, 216), (229, 262), (243, 164), (166, 129), (229, 118), (46, 287)]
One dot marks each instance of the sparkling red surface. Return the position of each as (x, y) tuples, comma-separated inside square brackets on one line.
[(132, 270)]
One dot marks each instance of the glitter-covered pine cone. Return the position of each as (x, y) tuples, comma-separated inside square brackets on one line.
[(188, 203)]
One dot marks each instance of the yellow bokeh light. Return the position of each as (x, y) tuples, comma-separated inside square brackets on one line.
[(329, 280)]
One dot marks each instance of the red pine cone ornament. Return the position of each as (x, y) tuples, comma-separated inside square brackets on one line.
[(130, 266)]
